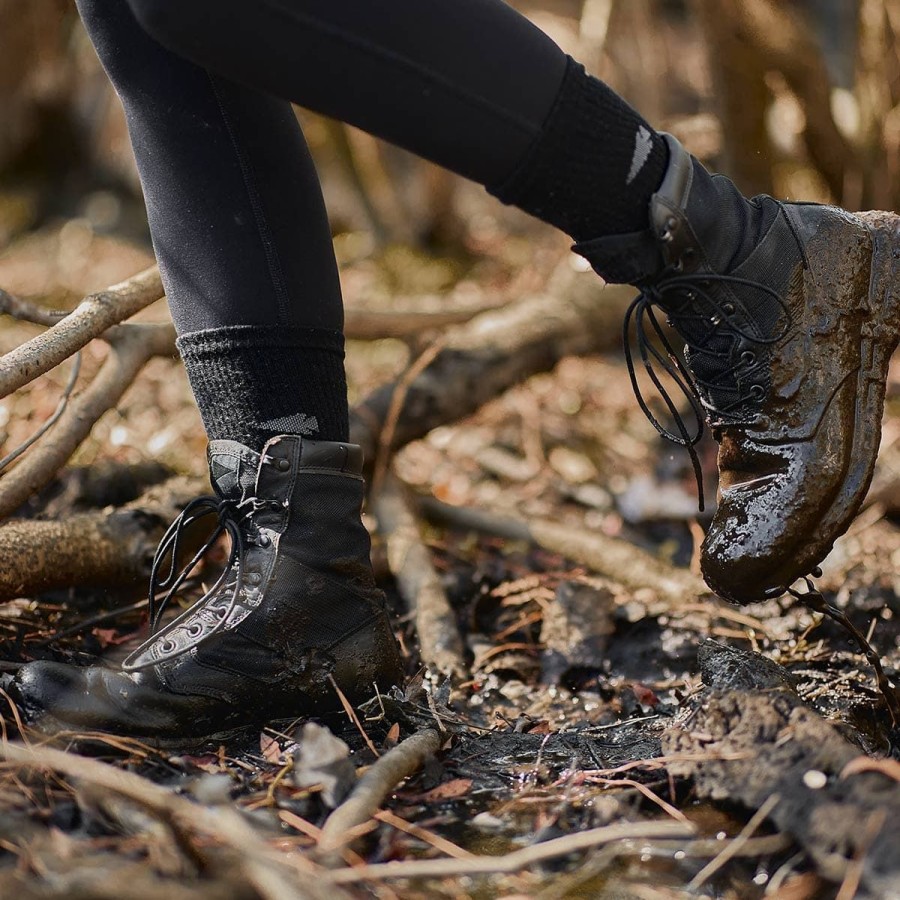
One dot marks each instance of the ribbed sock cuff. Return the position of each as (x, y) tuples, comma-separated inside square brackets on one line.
[(594, 165), (253, 382)]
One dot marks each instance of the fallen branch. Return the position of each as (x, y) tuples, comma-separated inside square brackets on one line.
[(129, 351), (440, 645), (519, 859), (493, 352), (480, 359), (100, 548), (90, 319), (368, 795), (617, 559)]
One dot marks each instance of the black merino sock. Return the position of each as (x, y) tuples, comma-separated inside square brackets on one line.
[(253, 382), (594, 165)]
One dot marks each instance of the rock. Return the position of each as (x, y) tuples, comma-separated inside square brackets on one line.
[(323, 759), (725, 668)]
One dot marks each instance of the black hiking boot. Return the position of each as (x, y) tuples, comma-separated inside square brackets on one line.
[(790, 314), (295, 612)]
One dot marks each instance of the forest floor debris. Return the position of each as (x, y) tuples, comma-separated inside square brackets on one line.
[(596, 742)]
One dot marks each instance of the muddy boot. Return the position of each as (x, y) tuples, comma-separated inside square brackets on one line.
[(295, 612), (790, 314)]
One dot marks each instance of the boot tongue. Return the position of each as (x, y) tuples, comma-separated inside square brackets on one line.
[(232, 469)]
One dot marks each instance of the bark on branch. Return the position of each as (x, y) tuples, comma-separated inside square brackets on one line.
[(93, 316), (92, 549), (129, 351), (440, 644)]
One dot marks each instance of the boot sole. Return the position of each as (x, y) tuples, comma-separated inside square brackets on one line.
[(878, 340)]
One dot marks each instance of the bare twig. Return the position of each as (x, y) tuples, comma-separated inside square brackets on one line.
[(129, 351), (398, 398), (365, 799), (519, 859), (93, 316), (13, 455), (25, 311), (352, 716), (734, 846), (435, 840), (440, 644)]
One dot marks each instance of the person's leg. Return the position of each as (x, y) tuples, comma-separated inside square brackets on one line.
[(473, 86), (244, 246), (241, 235), (469, 84)]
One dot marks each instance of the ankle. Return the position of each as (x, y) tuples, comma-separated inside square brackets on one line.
[(594, 165), (253, 382)]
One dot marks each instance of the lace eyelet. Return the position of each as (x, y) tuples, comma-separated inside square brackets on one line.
[(195, 629), (254, 578), (757, 391), (728, 308), (167, 646), (748, 357)]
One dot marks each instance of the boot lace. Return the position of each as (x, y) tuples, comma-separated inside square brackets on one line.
[(234, 518), (688, 302)]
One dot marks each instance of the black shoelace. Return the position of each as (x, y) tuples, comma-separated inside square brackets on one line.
[(690, 291), (235, 518)]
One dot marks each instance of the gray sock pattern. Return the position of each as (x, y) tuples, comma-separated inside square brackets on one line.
[(253, 382)]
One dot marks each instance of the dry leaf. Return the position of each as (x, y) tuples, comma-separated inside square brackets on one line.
[(449, 790), (889, 767), (393, 736)]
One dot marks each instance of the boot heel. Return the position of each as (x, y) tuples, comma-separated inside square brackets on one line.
[(884, 286), (878, 340)]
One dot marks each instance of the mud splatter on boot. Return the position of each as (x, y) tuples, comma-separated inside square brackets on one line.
[(790, 313)]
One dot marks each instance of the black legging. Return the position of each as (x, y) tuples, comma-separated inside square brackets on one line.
[(233, 200)]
